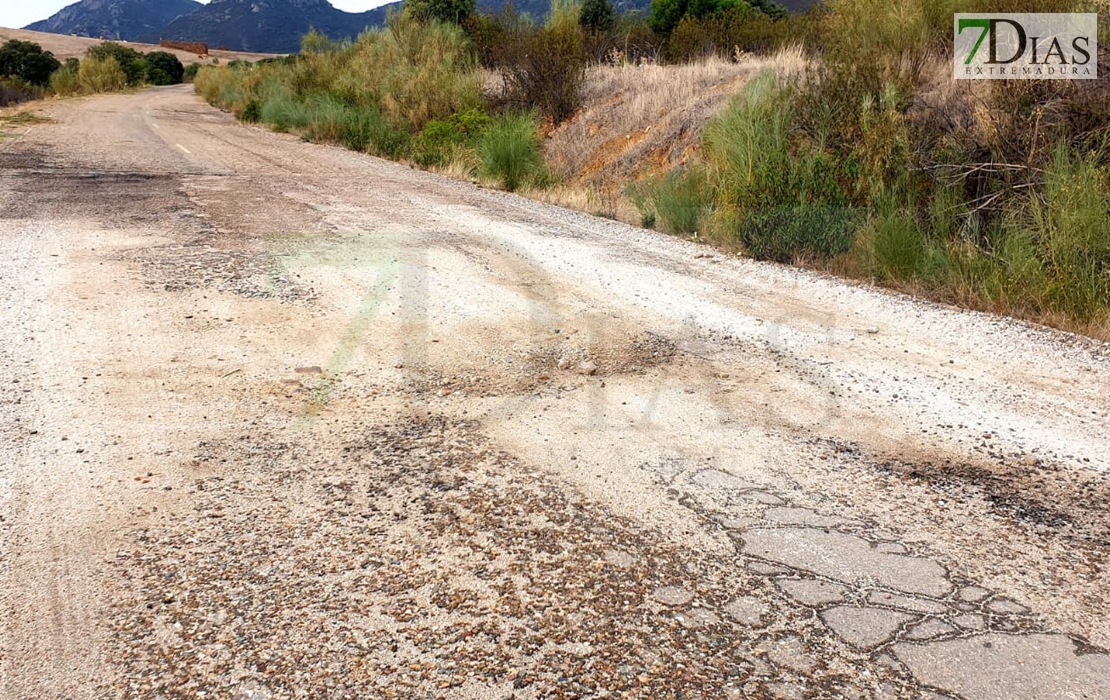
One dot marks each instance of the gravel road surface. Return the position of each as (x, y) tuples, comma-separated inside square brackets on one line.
[(279, 420)]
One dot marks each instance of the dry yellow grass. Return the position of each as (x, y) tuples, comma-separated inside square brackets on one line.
[(641, 119), (605, 200)]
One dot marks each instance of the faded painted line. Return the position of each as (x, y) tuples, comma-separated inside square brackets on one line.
[(184, 149)]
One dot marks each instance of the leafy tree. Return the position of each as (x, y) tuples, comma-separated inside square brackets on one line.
[(164, 68), (666, 14), (597, 15), (456, 11), (130, 61), (27, 61), (769, 8)]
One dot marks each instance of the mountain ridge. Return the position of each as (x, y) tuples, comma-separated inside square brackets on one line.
[(264, 26), (271, 26), (127, 20)]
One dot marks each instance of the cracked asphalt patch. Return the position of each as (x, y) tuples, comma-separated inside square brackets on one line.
[(423, 561)]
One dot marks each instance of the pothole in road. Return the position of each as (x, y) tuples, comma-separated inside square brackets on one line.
[(547, 362)]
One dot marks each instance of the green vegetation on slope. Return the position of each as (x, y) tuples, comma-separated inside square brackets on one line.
[(412, 90), (876, 164)]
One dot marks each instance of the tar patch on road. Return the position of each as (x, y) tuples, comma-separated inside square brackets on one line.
[(1050, 499)]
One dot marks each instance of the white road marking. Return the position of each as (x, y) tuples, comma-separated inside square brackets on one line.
[(184, 149)]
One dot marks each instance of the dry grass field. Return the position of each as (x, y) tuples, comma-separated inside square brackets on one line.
[(64, 46)]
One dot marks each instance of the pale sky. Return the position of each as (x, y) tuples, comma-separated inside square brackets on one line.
[(19, 13)]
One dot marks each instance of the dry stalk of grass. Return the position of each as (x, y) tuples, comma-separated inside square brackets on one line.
[(608, 201), (462, 164), (645, 119)]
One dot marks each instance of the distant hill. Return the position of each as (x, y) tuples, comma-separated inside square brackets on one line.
[(273, 26), (276, 26), (266, 26), (129, 20)]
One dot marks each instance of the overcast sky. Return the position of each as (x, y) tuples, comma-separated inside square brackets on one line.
[(19, 13)]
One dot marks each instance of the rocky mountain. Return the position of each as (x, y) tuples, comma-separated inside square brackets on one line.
[(276, 26), (130, 20), (271, 26)]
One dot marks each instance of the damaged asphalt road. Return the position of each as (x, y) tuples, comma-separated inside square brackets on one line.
[(279, 420)]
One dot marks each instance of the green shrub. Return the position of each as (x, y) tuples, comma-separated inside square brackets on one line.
[(413, 72), (15, 90), (486, 34), (98, 75), (252, 112), (511, 151), (1073, 227), (128, 60), (439, 139), (317, 42), (372, 132), (902, 249), (723, 32), (164, 68), (786, 198), (190, 73), (666, 15), (454, 11), (804, 231), (597, 15), (206, 83), (885, 41), (284, 112), (28, 62), (326, 118), (64, 81), (678, 200)]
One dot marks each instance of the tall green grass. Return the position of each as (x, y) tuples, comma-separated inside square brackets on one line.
[(65, 82), (511, 151), (1072, 224), (678, 202), (784, 199)]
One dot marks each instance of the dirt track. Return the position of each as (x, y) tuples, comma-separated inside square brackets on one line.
[(281, 420)]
